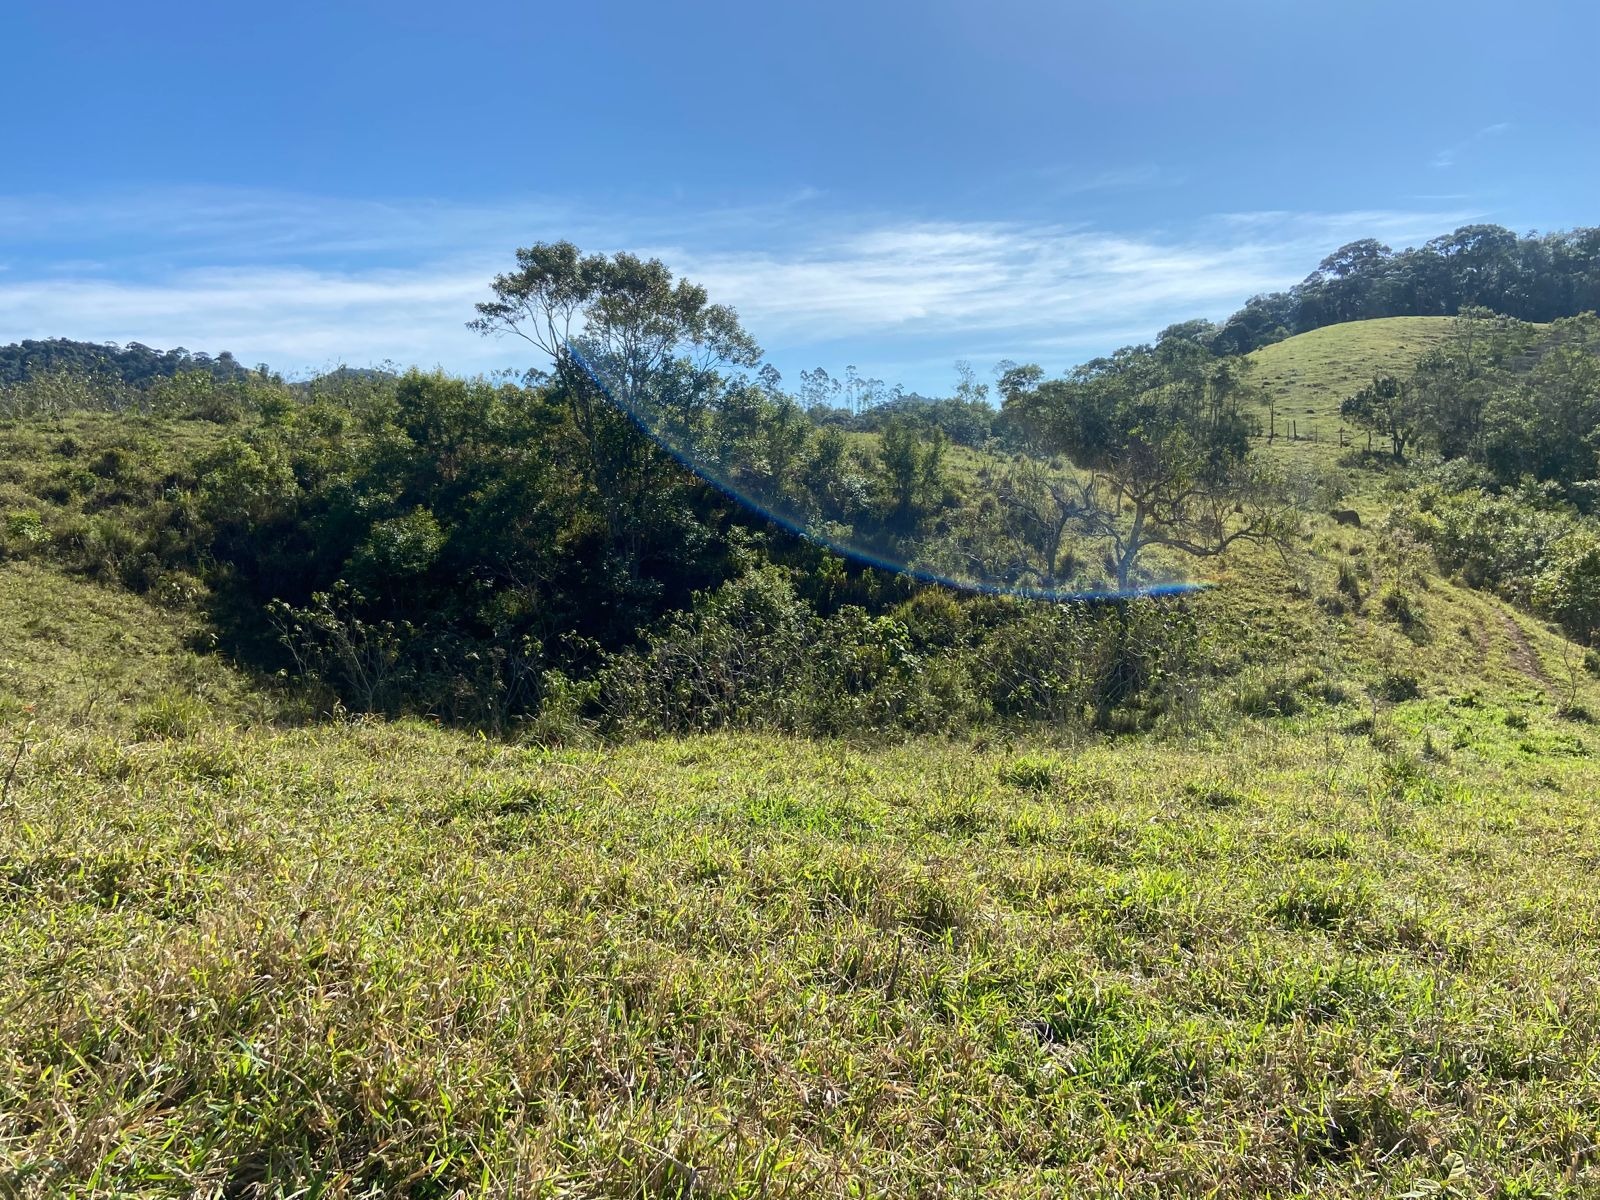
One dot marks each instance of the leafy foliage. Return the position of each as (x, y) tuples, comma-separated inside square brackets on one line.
[(130, 364), (1389, 407), (1165, 438)]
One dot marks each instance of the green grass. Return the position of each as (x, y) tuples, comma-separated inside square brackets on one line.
[(1299, 955), (1311, 373), (75, 653), (94, 462)]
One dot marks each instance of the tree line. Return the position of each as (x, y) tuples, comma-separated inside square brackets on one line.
[(134, 363), (535, 549), (495, 551), (1536, 277)]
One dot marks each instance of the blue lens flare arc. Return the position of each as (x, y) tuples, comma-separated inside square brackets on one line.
[(860, 554)]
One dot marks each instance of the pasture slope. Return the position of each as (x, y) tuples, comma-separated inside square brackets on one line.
[(1307, 376)]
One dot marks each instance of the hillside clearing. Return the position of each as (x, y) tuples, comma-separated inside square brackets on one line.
[(1308, 375)]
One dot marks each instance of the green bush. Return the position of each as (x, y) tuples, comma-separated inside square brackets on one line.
[(1396, 605), (734, 659), (1398, 685), (1274, 696), (1568, 589), (25, 527), (752, 654), (560, 720), (112, 463), (399, 549)]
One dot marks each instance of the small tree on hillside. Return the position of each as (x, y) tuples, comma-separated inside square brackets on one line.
[(1167, 494), (1391, 408), (1038, 514), (912, 472), (1164, 443)]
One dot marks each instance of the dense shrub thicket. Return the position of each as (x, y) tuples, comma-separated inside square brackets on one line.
[(495, 552), (430, 544), (754, 653)]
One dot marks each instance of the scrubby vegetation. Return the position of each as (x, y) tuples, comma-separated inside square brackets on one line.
[(425, 786), (130, 364)]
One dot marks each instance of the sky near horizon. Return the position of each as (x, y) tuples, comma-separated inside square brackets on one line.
[(893, 186)]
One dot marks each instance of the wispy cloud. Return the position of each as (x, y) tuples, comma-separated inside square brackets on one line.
[(1448, 156), (295, 318), (1078, 181), (305, 282)]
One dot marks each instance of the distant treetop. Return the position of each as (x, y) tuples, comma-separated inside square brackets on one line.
[(1536, 277), (1540, 277), (133, 363)]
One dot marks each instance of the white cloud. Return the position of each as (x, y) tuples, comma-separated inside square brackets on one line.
[(1448, 156), (296, 318), (303, 282)]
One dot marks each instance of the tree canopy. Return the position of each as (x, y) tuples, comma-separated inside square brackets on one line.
[(1537, 277), (134, 363)]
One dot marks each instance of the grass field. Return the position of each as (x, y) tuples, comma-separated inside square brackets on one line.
[(1303, 955), (1310, 374)]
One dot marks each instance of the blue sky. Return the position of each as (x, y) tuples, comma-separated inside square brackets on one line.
[(894, 186)]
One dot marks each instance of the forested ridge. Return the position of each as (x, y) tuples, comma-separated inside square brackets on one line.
[(1535, 277), (134, 363)]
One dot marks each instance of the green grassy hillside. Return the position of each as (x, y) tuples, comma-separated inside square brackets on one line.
[(1308, 375)]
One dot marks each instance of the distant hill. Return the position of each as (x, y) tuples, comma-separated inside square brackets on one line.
[(1307, 376), (1537, 277), (133, 363)]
